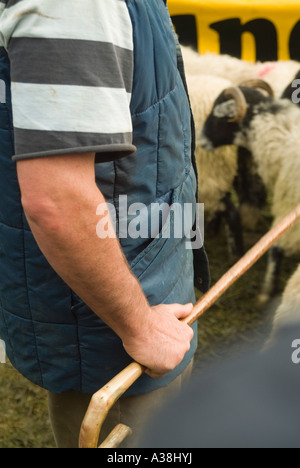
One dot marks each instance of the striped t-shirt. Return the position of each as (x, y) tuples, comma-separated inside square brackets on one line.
[(71, 73)]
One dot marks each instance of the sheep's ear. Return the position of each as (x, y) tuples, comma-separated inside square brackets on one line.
[(227, 109)]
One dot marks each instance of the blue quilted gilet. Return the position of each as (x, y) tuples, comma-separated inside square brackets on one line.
[(51, 336)]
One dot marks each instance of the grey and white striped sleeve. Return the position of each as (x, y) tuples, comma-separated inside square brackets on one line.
[(71, 72)]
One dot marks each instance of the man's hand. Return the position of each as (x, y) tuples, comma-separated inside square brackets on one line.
[(163, 342)]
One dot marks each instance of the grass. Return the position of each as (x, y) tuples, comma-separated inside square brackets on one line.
[(24, 421), (228, 327)]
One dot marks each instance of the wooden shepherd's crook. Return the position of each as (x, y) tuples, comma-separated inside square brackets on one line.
[(102, 401)]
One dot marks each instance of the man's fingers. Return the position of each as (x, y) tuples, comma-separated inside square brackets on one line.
[(154, 375), (182, 310)]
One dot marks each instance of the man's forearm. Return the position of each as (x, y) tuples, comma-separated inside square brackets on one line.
[(94, 268)]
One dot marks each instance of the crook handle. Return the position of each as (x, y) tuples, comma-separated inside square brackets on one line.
[(100, 404)]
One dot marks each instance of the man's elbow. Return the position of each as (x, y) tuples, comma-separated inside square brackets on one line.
[(42, 212)]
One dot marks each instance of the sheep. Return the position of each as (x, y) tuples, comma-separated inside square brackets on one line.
[(217, 170), (250, 189), (247, 184), (270, 129), (223, 66), (277, 74), (288, 312), (227, 169)]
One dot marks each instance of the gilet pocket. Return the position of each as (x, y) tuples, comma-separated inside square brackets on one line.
[(159, 266)]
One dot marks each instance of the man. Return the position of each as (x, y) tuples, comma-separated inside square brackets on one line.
[(99, 112)]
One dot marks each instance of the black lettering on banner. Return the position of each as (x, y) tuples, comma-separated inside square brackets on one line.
[(230, 33), (294, 42), (185, 26)]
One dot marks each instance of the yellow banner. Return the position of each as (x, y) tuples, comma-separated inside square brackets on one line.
[(248, 29)]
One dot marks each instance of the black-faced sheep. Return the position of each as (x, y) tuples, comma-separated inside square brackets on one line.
[(247, 183), (217, 170), (270, 129)]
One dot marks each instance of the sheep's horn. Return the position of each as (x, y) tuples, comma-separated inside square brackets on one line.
[(259, 84), (236, 94)]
